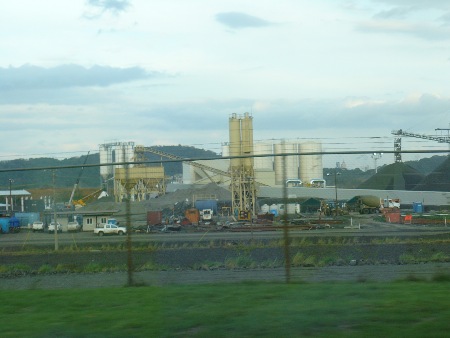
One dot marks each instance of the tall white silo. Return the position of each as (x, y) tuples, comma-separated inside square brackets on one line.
[(311, 166), (128, 152), (225, 149), (265, 162), (119, 155), (105, 153), (285, 165)]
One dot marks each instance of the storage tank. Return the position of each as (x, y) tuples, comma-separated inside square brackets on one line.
[(128, 150), (105, 157), (265, 208), (247, 141), (235, 141), (225, 149), (273, 209), (291, 162), (119, 155), (310, 165), (266, 162)]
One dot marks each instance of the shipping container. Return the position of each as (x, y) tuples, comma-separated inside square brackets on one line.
[(192, 215), (4, 224), (154, 217), (27, 218), (206, 204)]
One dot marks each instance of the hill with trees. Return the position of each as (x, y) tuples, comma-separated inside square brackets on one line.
[(33, 174)]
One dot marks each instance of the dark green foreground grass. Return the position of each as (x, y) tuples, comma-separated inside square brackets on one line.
[(398, 309)]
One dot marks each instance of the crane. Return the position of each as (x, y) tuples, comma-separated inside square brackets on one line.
[(441, 139), (400, 133), (77, 182)]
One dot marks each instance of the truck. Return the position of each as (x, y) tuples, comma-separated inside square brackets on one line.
[(365, 204), (206, 214), (390, 203), (109, 229)]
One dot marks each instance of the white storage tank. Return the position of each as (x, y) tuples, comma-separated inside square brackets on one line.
[(265, 208), (266, 162), (291, 162), (105, 153), (273, 209), (225, 149), (311, 166)]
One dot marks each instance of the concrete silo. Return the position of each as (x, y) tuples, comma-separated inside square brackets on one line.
[(111, 153), (264, 162), (247, 142), (105, 153), (243, 188), (286, 167), (311, 166), (234, 146)]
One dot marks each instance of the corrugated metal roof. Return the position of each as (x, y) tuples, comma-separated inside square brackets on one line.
[(15, 193)]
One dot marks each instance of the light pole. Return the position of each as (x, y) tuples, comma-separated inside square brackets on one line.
[(11, 181), (376, 156), (335, 191)]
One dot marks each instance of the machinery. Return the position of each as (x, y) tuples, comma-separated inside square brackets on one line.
[(70, 203), (365, 204), (82, 201)]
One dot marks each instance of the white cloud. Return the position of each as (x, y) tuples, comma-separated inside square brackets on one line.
[(238, 20), (300, 67)]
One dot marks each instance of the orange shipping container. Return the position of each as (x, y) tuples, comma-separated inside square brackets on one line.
[(193, 215)]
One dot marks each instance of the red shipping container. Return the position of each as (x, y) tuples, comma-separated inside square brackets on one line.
[(393, 217), (154, 217)]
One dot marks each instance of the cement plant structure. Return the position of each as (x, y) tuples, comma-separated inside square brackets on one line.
[(243, 187), (134, 182), (246, 165)]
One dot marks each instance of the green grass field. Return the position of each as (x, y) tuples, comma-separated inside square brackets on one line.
[(397, 309)]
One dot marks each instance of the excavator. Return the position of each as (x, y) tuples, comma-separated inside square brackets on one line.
[(95, 195)]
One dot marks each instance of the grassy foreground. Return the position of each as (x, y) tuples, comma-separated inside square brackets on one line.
[(398, 309)]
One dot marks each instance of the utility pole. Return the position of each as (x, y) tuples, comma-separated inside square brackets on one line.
[(335, 191), (10, 196), (54, 210)]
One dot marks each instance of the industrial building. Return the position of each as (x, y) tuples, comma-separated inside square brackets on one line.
[(247, 169)]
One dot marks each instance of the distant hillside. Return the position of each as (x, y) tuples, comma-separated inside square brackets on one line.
[(90, 176)]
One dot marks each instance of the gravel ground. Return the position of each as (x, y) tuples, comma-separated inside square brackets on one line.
[(378, 273)]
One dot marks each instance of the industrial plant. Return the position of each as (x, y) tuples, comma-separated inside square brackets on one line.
[(247, 180), (245, 167)]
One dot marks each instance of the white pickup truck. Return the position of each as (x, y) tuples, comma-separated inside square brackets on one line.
[(109, 229)]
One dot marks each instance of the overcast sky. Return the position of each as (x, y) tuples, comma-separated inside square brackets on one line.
[(78, 73)]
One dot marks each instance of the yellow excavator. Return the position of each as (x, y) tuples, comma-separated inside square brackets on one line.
[(94, 195)]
